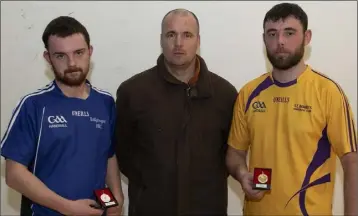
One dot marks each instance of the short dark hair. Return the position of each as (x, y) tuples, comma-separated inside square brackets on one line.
[(64, 26), (180, 10), (285, 10)]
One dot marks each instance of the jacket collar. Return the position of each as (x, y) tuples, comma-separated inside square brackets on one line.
[(203, 86)]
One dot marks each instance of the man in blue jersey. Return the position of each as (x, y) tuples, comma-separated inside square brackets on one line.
[(58, 145)]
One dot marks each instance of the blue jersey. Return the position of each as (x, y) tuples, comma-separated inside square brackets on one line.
[(65, 142)]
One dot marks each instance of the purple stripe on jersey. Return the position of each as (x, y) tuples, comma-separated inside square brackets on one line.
[(322, 154), (261, 87), (287, 84), (347, 111), (324, 179)]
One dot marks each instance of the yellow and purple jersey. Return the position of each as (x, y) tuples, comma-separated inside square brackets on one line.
[(296, 129)]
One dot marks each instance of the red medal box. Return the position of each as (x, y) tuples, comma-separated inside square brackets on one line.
[(262, 179), (105, 198)]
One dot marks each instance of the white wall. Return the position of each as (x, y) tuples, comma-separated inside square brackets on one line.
[(126, 41)]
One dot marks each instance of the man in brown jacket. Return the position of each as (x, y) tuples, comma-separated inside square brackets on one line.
[(173, 122)]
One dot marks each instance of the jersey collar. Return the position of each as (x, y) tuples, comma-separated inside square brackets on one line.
[(293, 82), (58, 90)]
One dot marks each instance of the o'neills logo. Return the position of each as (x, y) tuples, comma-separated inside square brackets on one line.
[(281, 99), (80, 113)]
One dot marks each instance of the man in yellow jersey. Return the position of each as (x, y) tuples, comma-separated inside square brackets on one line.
[(294, 121)]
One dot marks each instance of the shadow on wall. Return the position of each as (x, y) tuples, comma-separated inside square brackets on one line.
[(13, 197), (49, 72), (268, 66)]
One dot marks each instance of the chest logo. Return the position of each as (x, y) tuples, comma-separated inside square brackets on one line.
[(99, 122), (281, 100), (302, 108), (259, 106), (57, 121)]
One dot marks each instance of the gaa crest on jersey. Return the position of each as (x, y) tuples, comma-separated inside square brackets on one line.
[(258, 106), (56, 121)]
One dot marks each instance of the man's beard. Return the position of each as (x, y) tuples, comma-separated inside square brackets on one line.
[(290, 61), (67, 78)]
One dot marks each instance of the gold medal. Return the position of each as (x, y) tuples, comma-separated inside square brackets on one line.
[(263, 178)]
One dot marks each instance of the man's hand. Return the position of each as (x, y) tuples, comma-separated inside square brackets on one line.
[(82, 207), (246, 183), (115, 211)]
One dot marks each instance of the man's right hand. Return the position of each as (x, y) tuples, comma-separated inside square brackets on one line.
[(246, 179), (82, 208)]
